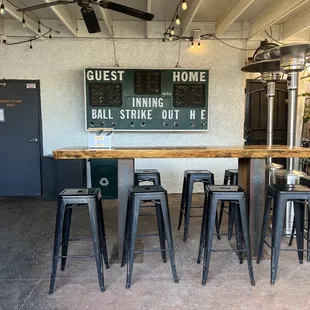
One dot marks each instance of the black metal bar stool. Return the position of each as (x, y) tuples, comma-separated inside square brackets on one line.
[(235, 195), (230, 178), (138, 194), (191, 177), (151, 175), (67, 200), (281, 194)]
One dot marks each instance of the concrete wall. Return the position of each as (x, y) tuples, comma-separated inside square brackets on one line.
[(58, 64)]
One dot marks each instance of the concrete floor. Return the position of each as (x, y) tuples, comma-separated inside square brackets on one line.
[(26, 240)]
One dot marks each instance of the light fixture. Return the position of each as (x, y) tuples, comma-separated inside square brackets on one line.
[(30, 44), (50, 36), (198, 44), (177, 20), (2, 9), (184, 5), (23, 21), (170, 37), (172, 30), (39, 27), (192, 45)]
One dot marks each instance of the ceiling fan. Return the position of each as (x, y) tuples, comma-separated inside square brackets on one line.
[(88, 13)]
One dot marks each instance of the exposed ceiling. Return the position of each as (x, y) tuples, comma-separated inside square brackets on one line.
[(247, 18)]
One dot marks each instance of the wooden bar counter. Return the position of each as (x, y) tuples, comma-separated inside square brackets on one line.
[(251, 168)]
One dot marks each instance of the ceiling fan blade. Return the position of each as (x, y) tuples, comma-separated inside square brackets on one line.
[(90, 20), (43, 5), (126, 10)]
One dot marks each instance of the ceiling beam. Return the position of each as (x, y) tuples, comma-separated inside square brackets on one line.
[(30, 23), (189, 14), (147, 24), (65, 16), (106, 17), (231, 13), (296, 24), (272, 13)]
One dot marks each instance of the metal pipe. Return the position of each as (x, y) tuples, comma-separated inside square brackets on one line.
[(292, 86), (271, 91)]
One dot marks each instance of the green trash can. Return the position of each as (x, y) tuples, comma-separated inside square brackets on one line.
[(104, 175)]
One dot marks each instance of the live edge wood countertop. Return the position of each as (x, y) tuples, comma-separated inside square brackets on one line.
[(248, 151)]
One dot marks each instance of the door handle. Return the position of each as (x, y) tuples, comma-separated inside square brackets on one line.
[(33, 140)]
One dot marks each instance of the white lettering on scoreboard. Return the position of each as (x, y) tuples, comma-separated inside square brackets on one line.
[(105, 75), (189, 76), (131, 114)]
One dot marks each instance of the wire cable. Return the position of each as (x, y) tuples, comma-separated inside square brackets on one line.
[(271, 37)]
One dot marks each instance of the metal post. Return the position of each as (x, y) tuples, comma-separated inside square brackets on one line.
[(271, 91), (292, 86)]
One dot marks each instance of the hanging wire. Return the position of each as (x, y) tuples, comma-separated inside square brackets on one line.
[(116, 64), (271, 37), (177, 65)]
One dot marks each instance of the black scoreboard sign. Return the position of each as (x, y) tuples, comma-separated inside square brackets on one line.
[(146, 99)]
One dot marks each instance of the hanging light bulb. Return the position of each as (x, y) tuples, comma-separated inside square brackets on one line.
[(177, 20), (39, 27), (172, 30), (198, 44), (50, 36), (23, 21), (30, 45), (2, 9), (184, 5), (192, 45), (170, 37)]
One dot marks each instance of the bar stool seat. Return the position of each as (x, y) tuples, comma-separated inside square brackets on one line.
[(151, 175), (235, 195), (138, 194), (230, 178), (67, 200), (281, 194), (191, 177)]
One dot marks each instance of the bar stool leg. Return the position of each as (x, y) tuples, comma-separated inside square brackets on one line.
[(188, 203), (246, 237), (277, 224), (127, 229), (203, 229), (223, 202), (299, 211), (61, 206), (264, 228), (230, 221), (135, 204), (182, 207), (292, 234), (238, 229), (65, 237), (210, 221), (161, 231), (93, 216), (166, 218), (103, 243)]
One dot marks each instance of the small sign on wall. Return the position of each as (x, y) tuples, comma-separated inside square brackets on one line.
[(2, 115), (146, 99)]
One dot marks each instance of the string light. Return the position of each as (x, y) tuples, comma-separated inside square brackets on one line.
[(184, 5), (24, 21), (39, 27), (198, 44), (170, 37), (192, 45), (30, 44), (172, 30), (50, 36), (2, 9), (177, 20)]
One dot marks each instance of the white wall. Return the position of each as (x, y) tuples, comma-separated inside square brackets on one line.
[(58, 64)]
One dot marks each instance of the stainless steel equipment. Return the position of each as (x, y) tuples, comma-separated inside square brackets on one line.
[(270, 72)]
